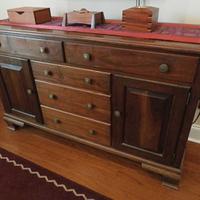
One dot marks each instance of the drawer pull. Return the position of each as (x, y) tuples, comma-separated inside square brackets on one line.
[(89, 106), (117, 113), (29, 92), (52, 96), (48, 73), (44, 50), (56, 121), (88, 81), (87, 56), (92, 132), (164, 68)]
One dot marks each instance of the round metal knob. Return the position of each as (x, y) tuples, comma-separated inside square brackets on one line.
[(56, 121), (88, 81), (47, 73), (89, 106), (52, 96), (43, 50), (117, 113), (87, 56), (92, 132), (29, 92), (164, 68)]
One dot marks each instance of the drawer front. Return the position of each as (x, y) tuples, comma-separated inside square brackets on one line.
[(158, 66), (88, 104), (76, 77), (41, 49), (72, 124)]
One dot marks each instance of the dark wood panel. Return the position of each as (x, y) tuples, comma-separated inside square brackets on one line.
[(149, 64), (147, 117), (72, 76), (49, 50), (77, 125), (18, 88), (95, 106)]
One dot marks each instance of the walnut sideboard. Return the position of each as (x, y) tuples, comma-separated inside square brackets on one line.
[(132, 98)]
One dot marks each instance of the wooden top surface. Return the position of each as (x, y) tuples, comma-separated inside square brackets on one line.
[(184, 48), (27, 9)]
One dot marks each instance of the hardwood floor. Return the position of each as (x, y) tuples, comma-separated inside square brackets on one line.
[(117, 178)]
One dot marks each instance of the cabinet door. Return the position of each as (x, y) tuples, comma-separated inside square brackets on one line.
[(17, 89), (147, 117)]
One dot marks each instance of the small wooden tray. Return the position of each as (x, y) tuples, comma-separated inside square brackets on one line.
[(29, 15), (83, 17)]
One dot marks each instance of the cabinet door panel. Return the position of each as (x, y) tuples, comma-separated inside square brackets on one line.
[(18, 90), (150, 117)]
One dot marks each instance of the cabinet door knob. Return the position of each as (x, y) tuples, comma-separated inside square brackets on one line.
[(47, 73), (117, 113), (92, 132), (89, 106), (88, 81), (87, 56), (52, 96), (164, 68), (29, 92), (56, 121), (43, 50)]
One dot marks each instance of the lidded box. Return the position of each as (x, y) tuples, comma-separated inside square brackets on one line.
[(29, 15)]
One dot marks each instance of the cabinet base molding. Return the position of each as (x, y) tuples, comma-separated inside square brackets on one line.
[(13, 124), (171, 176)]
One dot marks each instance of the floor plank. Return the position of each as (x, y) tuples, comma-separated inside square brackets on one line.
[(117, 178)]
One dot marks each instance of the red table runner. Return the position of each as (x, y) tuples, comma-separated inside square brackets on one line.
[(165, 31)]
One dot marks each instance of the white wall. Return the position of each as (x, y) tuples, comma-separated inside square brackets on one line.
[(182, 11)]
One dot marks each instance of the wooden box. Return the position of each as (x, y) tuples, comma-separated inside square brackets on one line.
[(83, 17), (142, 19), (29, 15)]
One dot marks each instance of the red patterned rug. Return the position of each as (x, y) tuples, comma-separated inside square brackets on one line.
[(21, 179)]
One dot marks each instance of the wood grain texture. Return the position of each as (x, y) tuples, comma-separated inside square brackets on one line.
[(114, 177), (133, 62), (16, 80), (150, 117), (77, 125), (36, 48), (72, 76), (69, 99)]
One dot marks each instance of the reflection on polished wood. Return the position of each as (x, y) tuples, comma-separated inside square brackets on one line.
[(102, 172)]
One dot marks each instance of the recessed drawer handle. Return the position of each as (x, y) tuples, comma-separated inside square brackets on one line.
[(48, 73), (88, 81), (90, 106), (164, 68), (52, 96), (92, 132), (56, 121), (44, 50), (87, 56)]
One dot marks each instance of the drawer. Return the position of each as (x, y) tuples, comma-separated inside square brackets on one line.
[(73, 124), (87, 104), (155, 65), (41, 49), (72, 76)]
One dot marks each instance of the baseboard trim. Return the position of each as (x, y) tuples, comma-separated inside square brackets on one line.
[(195, 134)]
